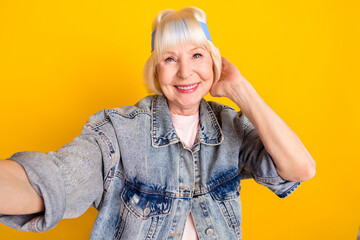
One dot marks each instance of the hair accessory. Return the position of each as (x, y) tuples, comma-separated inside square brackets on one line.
[(202, 24)]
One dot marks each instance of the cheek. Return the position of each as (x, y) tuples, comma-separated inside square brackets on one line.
[(206, 72), (207, 68), (162, 76), (165, 75)]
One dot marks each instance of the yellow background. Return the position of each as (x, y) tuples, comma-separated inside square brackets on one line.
[(62, 61)]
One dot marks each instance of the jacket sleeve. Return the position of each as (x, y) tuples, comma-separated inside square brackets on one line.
[(70, 180), (258, 164)]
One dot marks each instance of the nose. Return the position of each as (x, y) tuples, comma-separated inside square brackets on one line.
[(185, 69)]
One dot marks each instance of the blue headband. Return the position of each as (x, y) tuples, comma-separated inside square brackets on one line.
[(202, 24)]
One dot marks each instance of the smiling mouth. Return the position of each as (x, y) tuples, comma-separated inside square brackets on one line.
[(187, 87)]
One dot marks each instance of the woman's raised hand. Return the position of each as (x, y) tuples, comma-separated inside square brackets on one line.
[(230, 79)]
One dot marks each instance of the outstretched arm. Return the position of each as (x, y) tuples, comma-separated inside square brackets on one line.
[(293, 161), (17, 196)]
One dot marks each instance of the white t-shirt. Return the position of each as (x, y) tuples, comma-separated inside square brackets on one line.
[(186, 128)]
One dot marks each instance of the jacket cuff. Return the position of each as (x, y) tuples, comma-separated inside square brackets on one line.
[(47, 182), (288, 191)]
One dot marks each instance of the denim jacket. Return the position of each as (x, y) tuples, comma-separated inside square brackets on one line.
[(129, 164)]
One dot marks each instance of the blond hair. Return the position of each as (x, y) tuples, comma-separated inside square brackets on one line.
[(174, 28)]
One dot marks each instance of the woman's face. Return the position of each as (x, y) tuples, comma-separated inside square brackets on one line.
[(185, 75)]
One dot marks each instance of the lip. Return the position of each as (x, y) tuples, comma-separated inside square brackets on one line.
[(188, 88)]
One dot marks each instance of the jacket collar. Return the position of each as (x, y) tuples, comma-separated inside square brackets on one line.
[(163, 132)]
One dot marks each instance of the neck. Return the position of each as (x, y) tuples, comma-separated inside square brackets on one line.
[(183, 110)]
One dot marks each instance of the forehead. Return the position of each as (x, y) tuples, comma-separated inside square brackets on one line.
[(183, 48)]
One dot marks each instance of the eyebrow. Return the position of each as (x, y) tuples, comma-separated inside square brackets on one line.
[(196, 48), (190, 50)]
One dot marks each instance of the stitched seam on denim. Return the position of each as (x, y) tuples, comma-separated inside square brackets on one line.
[(217, 183), (269, 180), (234, 221), (174, 194), (227, 198), (106, 184), (110, 174), (154, 222), (111, 152), (230, 218), (215, 123), (98, 124), (153, 125), (123, 217), (231, 214), (130, 208), (223, 180), (133, 114), (152, 191), (224, 198), (154, 116), (109, 146), (159, 224), (200, 193), (169, 137), (204, 207), (107, 141), (290, 190), (111, 155), (108, 180), (223, 211), (129, 183)]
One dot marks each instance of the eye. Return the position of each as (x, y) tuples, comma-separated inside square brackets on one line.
[(169, 59), (197, 55)]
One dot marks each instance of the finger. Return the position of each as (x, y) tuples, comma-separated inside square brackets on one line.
[(224, 60), (226, 64)]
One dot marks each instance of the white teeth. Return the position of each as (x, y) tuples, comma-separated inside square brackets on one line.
[(187, 87)]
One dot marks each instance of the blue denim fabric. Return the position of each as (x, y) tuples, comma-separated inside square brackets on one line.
[(130, 165)]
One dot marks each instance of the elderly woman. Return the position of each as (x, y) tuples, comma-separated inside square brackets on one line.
[(170, 166)]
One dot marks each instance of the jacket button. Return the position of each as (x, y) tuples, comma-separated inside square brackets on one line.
[(209, 231), (146, 211)]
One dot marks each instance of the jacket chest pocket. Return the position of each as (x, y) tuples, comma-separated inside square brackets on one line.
[(145, 203), (227, 196)]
